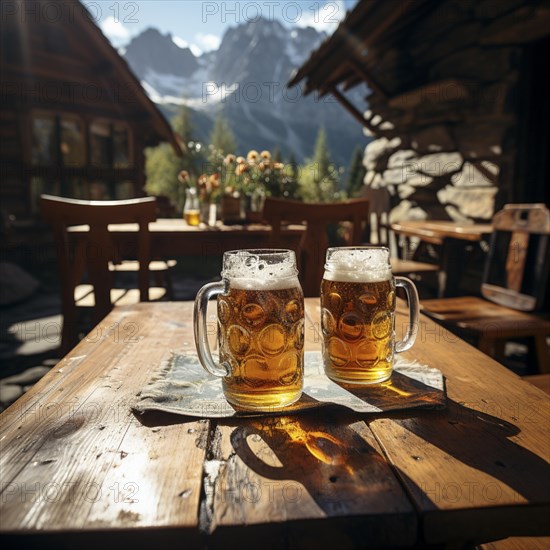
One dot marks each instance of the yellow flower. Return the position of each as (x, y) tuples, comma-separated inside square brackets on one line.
[(215, 180), (183, 176), (241, 160), (241, 168), (266, 155), (252, 156), (279, 166), (229, 159)]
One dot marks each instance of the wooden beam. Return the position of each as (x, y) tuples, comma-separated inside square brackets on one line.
[(435, 92), (362, 71), (352, 110)]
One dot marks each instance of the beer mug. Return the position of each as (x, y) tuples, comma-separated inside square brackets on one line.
[(358, 315), (260, 329)]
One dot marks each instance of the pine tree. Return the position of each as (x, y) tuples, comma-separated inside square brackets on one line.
[(162, 165), (182, 124), (321, 156), (356, 173), (222, 138), (319, 177)]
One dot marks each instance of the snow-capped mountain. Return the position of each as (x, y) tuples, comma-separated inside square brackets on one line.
[(246, 79)]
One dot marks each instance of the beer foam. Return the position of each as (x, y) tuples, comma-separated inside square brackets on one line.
[(260, 270), (358, 265)]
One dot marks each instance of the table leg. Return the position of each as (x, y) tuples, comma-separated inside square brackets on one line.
[(451, 268)]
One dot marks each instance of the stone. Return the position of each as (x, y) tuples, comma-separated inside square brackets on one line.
[(29, 376), (402, 158), (405, 191), (471, 176), (386, 125), (439, 164), (376, 149), (374, 180), (9, 393), (456, 215), (395, 176), (433, 139), (406, 211), (400, 176), (473, 203)]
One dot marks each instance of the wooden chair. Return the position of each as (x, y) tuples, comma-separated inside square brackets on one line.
[(315, 241), (514, 284), (93, 252), (379, 232)]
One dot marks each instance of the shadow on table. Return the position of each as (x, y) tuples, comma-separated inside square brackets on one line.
[(331, 459)]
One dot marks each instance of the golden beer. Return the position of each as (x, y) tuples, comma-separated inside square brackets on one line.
[(192, 217), (358, 314), (357, 322), (261, 337), (260, 329)]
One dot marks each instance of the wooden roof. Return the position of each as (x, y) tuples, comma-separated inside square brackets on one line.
[(64, 49), (339, 59), (369, 46)]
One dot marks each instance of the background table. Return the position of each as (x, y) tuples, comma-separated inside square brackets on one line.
[(173, 237), (453, 238), (78, 468)]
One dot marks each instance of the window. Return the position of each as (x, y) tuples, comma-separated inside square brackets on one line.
[(100, 144), (121, 146), (44, 142), (57, 137), (110, 144), (124, 190), (71, 142), (99, 191)]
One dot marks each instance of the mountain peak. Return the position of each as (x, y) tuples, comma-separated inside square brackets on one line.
[(245, 78), (153, 50)]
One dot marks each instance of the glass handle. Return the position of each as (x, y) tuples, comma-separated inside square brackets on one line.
[(200, 329), (414, 314)]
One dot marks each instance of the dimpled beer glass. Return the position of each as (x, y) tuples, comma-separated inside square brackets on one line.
[(358, 315), (260, 329)]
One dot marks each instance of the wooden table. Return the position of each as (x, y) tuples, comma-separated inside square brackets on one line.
[(173, 237), (452, 237), (79, 469)]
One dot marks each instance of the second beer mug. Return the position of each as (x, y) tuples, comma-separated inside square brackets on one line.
[(260, 329), (358, 315)]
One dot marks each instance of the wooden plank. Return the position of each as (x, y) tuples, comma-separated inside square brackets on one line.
[(483, 452), (173, 237), (435, 92), (434, 231), (91, 464), (275, 475), (75, 459), (479, 468), (525, 25)]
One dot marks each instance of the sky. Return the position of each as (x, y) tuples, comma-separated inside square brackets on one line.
[(200, 24)]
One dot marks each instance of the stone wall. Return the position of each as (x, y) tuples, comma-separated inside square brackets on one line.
[(444, 133)]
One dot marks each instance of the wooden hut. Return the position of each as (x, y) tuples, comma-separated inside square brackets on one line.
[(74, 120), (458, 102)]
